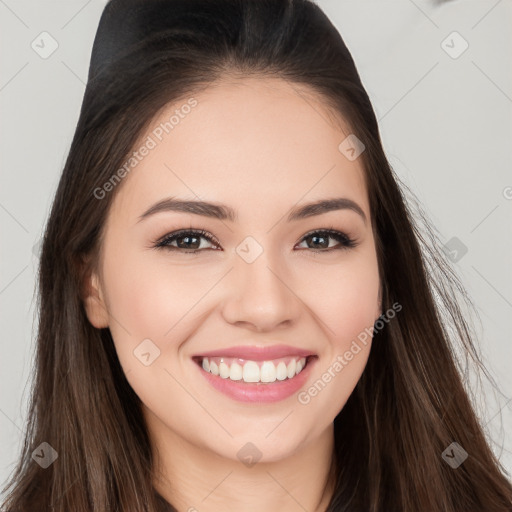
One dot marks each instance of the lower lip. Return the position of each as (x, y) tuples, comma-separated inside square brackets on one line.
[(259, 392)]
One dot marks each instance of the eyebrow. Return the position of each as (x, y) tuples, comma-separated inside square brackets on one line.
[(223, 212)]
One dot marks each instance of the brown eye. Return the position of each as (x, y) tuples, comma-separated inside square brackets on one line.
[(319, 240), (186, 240), (189, 241)]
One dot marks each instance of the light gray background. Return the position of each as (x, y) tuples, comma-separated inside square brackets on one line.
[(445, 123)]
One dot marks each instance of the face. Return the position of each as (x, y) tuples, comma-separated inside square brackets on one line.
[(268, 276)]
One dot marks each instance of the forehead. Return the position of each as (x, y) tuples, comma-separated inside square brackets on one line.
[(252, 143)]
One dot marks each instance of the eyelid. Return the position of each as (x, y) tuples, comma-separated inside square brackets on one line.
[(197, 231), (350, 242)]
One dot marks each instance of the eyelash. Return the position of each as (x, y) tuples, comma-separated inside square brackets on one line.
[(163, 243)]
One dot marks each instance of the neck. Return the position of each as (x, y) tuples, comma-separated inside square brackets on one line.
[(196, 479)]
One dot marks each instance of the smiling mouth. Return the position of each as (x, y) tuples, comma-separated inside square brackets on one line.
[(245, 370)]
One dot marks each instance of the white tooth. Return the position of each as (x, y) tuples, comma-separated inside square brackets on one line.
[(291, 368), (281, 372), (235, 372), (214, 368), (224, 370), (268, 372), (251, 372)]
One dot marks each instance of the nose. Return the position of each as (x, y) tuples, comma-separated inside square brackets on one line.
[(260, 295)]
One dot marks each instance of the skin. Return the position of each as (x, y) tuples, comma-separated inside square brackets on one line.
[(261, 147)]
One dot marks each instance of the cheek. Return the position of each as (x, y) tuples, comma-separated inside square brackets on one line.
[(345, 297), (353, 307), (156, 303), (347, 311), (148, 301)]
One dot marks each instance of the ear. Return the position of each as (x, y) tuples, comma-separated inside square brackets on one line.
[(94, 301)]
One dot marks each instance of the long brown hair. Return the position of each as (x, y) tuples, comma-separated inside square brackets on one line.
[(410, 403)]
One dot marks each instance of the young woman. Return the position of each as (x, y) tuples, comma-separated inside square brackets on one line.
[(235, 309)]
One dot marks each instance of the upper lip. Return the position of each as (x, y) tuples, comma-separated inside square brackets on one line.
[(258, 353)]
